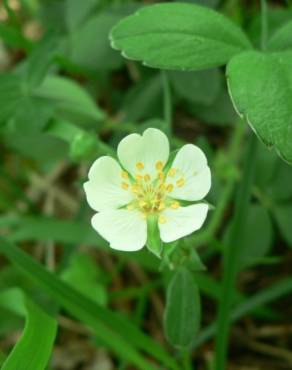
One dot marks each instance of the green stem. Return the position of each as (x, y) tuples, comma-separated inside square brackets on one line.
[(167, 103), (231, 255)]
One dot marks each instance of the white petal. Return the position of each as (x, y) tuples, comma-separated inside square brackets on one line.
[(192, 167), (151, 147), (182, 221), (125, 230), (103, 190)]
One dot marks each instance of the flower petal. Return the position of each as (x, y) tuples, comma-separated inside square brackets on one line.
[(192, 179), (146, 149), (104, 189), (182, 221), (125, 230)]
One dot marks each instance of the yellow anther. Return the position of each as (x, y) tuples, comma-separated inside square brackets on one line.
[(135, 188), (147, 177), (172, 172), (161, 206), (140, 166), (125, 186), (139, 177), (161, 176), (169, 188), (124, 175), (180, 182), (162, 219), (159, 165), (175, 205), (142, 203)]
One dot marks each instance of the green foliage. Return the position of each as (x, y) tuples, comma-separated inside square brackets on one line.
[(69, 99), (83, 275), (33, 349), (257, 238), (283, 217), (66, 98), (183, 310), (115, 331), (260, 88), (178, 36), (198, 87), (281, 39)]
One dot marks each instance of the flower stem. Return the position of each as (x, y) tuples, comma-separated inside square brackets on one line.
[(167, 103), (231, 255)]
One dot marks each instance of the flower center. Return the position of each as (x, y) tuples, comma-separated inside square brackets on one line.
[(152, 194)]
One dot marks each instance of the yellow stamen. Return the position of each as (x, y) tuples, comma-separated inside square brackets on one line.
[(180, 182), (159, 165), (161, 206), (175, 205), (142, 203), (139, 177), (161, 176), (169, 188), (125, 175), (162, 219), (140, 166), (135, 188), (125, 186), (172, 172), (147, 177)]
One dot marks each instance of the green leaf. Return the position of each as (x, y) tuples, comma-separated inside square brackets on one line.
[(257, 237), (198, 87), (77, 11), (33, 349), (48, 229), (25, 112), (143, 100), (95, 52), (276, 18), (178, 36), (278, 189), (208, 3), (281, 40), (260, 87), (10, 93), (283, 217), (40, 59), (69, 98), (115, 331), (183, 310), (220, 113), (83, 274), (154, 243), (40, 147)]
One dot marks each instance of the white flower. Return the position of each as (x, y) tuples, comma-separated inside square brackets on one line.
[(144, 185)]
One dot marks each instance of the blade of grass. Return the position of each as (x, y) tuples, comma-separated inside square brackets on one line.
[(116, 332), (33, 349), (231, 255)]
